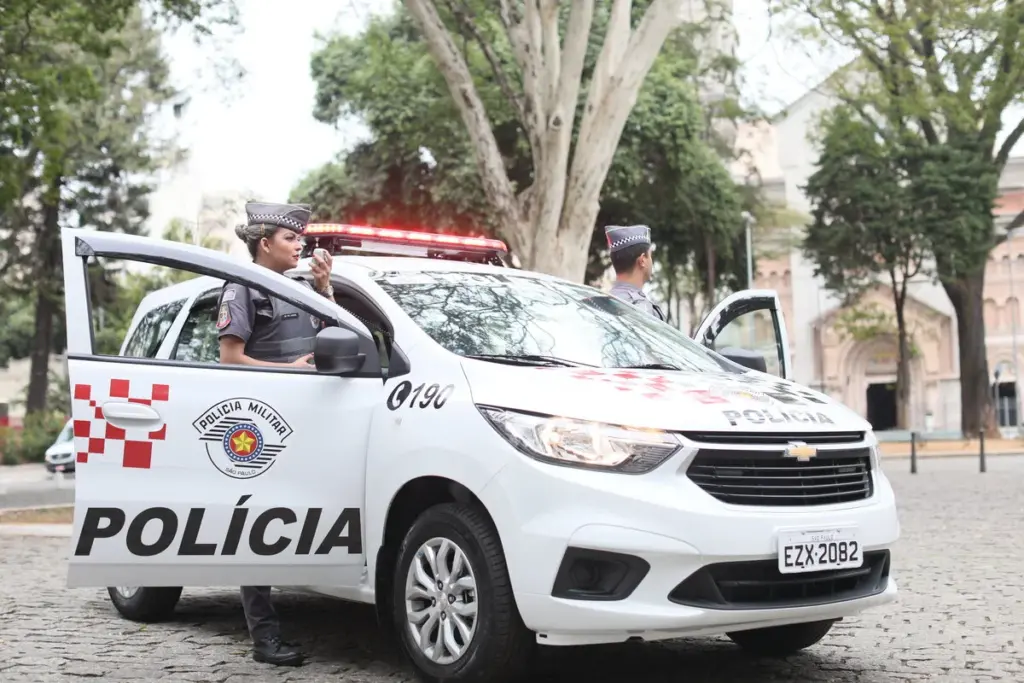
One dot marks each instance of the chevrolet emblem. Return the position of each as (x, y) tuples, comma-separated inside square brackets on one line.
[(800, 451)]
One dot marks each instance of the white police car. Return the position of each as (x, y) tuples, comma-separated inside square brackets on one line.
[(495, 458)]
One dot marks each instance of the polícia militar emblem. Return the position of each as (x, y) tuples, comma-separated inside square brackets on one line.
[(243, 442), (243, 437)]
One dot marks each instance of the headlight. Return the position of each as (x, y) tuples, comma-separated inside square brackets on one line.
[(580, 443)]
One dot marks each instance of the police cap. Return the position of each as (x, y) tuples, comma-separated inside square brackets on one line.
[(292, 216), (623, 236)]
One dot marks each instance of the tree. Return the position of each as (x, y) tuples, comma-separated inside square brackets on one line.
[(666, 174), (179, 230), (97, 173), (947, 73), (865, 226), (417, 168), (16, 331), (40, 74), (549, 222)]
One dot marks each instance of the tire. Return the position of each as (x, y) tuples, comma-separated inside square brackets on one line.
[(781, 641), (500, 649), (147, 605)]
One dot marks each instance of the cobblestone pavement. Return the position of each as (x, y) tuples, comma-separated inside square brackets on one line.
[(959, 617)]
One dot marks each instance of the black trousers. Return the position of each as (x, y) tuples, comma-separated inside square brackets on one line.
[(260, 615)]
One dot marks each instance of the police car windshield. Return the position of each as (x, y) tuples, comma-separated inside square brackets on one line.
[(494, 314)]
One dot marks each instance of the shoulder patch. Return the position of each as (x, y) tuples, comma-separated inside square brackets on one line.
[(224, 319), (229, 295)]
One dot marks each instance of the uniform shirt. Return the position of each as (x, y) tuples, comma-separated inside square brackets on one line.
[(273, 330), (635, 296)]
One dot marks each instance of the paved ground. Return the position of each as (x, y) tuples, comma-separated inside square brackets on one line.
[(32, 485), (959, 619)]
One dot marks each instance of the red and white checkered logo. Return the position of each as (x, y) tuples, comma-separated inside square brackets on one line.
[(650, 386), (94, 436)]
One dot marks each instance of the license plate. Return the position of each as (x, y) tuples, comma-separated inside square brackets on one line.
[(819, 550)]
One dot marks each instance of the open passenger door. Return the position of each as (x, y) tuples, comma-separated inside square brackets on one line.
[(746, 327)]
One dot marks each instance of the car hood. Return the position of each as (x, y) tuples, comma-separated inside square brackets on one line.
[(60, 448), (658, 399)]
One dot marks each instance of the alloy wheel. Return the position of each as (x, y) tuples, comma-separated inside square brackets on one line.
[(441, 601)]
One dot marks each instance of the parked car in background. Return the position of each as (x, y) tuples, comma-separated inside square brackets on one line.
[(60, 456)]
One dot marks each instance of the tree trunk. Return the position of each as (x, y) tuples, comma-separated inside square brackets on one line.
[(671, 298), (564, 256), (902, 368), (47, 249), (966, 295), (695, 315), (709, 286), (547, 224)]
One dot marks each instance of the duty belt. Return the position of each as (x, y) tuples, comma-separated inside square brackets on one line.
[(281, 351)]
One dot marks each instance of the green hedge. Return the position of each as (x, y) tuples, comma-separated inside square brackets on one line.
[(29, 443)]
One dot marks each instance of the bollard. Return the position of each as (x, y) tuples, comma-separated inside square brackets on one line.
[(913, 452), (981, 450)]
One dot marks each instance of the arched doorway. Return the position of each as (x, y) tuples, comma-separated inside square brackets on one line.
[(880, 358), (870, 369)]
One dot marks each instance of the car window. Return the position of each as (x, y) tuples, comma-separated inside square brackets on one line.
[(752, 331), (66, 434), (152, 329), (485, 314), (198, 342)]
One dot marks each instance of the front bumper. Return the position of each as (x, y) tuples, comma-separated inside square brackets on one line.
[(59, 462), (668, 529)]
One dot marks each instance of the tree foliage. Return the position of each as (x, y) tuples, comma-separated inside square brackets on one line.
[(667, 174), (538, 52), (95, 171), (867, 229), (946, 72), (48, 50), (417, 169)]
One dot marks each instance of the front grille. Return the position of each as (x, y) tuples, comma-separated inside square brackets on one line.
[(772, 479), (760, 585), (774, 438)]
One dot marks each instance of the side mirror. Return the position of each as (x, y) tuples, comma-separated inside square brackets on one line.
[(748, 359), (336, 351)]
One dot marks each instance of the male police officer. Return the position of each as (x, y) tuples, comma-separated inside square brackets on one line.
[(630, 247), (256, 329)]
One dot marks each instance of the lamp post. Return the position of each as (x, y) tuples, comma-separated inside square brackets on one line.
[(1013, 333), (748, 221)]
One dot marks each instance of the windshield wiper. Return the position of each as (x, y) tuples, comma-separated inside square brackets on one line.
[(651, 366), (528, 359)]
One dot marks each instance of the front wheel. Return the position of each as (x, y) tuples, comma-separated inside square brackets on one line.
[(145, 604), (781, 641), (452, 601)]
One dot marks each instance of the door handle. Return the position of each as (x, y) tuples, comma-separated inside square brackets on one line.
[(131, 413)]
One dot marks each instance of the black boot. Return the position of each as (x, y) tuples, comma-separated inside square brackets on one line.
[(275, 651)]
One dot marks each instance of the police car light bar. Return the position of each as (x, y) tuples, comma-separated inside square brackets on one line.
[(406, 236)]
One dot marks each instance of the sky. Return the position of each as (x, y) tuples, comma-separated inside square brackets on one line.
[(257, 135)]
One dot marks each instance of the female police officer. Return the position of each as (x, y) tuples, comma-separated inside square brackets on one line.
[(256, 329)]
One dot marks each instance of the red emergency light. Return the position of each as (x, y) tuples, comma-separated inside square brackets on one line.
[(404, 236)]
